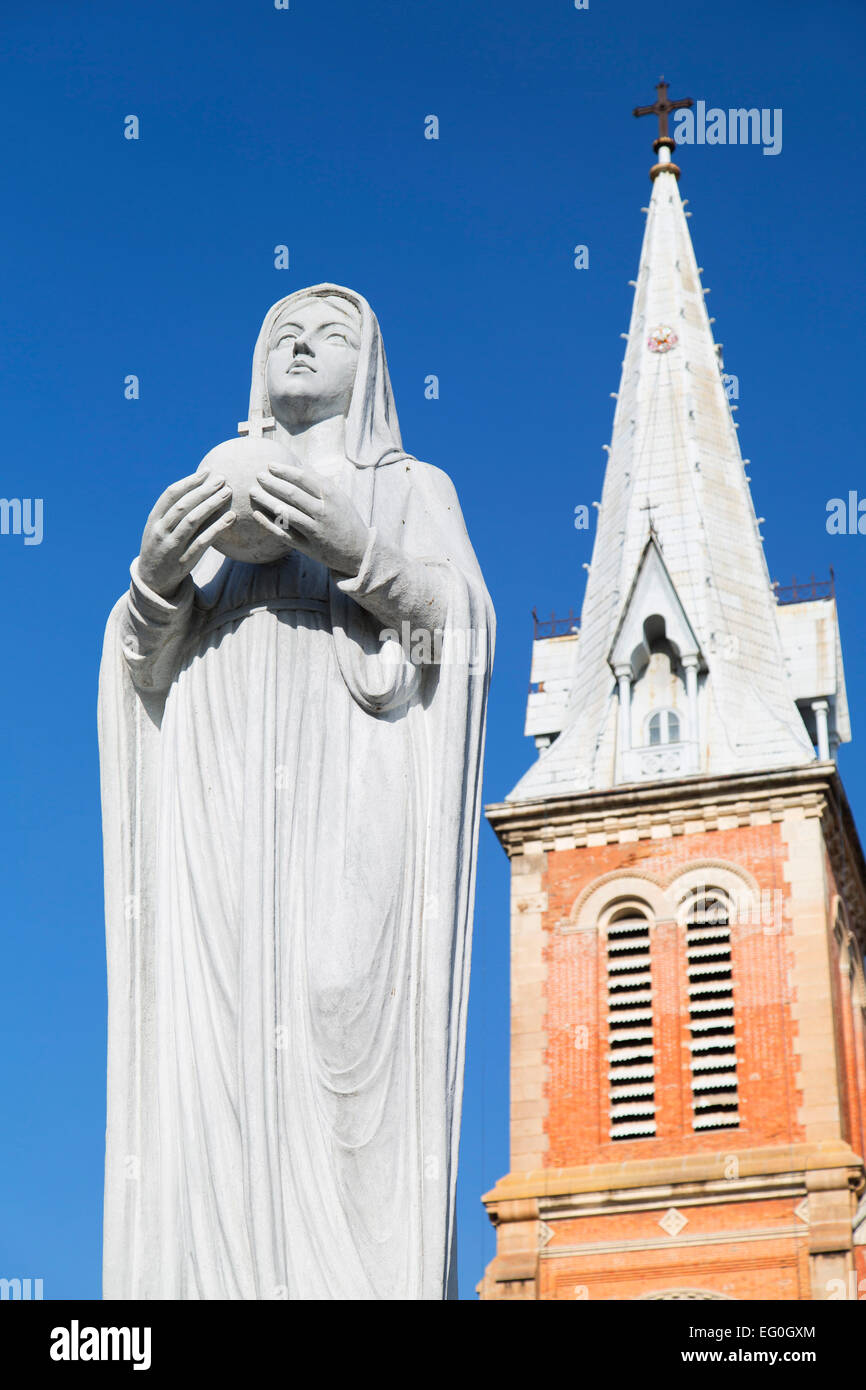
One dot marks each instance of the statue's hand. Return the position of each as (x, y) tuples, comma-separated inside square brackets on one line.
[(316, 515), (185, 521)]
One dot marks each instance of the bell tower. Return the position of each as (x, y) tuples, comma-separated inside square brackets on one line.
[(688, 1045)]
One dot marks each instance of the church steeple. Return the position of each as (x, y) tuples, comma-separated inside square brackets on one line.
[(675, 473), (688, 893)]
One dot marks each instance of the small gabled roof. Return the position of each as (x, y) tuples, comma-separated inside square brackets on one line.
[(652, 592)]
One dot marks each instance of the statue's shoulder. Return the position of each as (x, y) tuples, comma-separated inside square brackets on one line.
[(432, 481)]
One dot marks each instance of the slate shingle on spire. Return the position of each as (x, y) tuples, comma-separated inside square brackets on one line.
[(675, 489)]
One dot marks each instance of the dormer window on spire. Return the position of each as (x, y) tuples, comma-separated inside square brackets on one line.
[(657, 661)]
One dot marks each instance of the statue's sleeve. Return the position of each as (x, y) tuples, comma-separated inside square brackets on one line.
[(419, 572), (418, 554), (154, 631), (395, 587)]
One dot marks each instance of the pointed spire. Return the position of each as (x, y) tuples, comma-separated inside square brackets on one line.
[(675, 477)]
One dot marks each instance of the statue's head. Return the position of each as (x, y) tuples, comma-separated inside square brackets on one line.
[(313, 349), (320, 354)]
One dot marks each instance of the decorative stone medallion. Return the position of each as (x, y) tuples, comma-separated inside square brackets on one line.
[(673, 1222), (662, 339)]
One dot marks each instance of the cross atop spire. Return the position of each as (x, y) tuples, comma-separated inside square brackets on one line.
[(665, 144), (661, 108)]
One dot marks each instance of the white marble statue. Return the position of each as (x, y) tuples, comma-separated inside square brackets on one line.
[(291, 717)]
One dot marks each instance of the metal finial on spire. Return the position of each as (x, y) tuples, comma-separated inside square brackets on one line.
[(665, 144)]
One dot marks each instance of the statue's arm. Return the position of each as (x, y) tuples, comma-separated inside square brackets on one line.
[(154, 631), (186, 519), (395, 587)]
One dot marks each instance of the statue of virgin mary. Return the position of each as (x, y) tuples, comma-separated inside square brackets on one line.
[(291, 802)]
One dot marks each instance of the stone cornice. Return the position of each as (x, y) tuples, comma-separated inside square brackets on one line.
[(549, 1189), (626, 806), (641, 811)]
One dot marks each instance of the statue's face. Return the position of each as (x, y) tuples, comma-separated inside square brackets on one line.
[(312, 358)]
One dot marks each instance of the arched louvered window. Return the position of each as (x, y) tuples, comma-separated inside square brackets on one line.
[(631, 1063), (715, 1098)]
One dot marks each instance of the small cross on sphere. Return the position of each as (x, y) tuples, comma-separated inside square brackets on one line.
[(661, 109)]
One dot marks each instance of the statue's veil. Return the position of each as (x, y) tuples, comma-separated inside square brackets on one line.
[(372, 428)]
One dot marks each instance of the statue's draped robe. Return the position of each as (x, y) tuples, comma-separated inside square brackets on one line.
[(290, 807)]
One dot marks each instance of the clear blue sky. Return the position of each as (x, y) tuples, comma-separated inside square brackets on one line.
[(155, 257)]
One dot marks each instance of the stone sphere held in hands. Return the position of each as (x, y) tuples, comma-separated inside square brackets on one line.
[(240, 461)]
